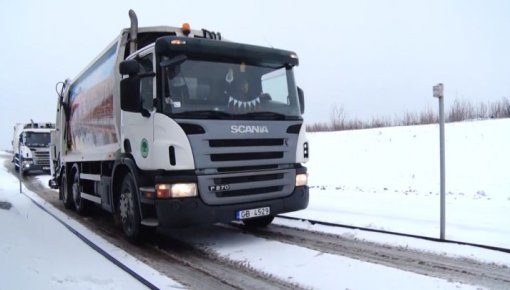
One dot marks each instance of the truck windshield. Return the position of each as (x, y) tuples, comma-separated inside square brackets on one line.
[(198, 88), (33, 139)]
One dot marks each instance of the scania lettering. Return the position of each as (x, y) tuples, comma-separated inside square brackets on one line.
[(174, 127), (248, 129)]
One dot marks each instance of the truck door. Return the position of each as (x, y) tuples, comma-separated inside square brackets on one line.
[(137, 129)]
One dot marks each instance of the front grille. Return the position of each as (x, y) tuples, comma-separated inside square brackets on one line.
[(239, 150), (245, 142), (235, 168), (246, 156), (249, 178), (241, 192), (42, 158), (229, 188), (246, 168)]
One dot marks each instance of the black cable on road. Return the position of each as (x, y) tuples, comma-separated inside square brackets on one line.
[(97, 248), (504, 250)]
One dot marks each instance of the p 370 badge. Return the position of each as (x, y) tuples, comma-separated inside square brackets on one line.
[(219, 187)]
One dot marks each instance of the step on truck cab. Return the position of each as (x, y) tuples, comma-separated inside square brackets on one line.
[(30, 146), (175, 127)]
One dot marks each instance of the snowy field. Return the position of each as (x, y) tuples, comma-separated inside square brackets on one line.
[(389, 179), (379, 178)]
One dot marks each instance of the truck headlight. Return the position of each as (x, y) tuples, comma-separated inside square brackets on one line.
[(301, 179), (176, 190), (27, 163)]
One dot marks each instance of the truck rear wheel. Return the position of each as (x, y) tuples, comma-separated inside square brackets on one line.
[(81, 205), (65, 193), (128, 209), (259, 222)]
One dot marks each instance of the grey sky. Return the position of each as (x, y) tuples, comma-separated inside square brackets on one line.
[(374, 58)]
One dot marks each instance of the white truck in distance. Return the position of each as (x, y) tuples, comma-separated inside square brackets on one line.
[(30, 146), (175, 127)]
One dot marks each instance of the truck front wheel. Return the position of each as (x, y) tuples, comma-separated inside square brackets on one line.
[(128, 209)]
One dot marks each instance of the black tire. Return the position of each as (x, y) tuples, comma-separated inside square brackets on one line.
[(81, 205), (259, 222), (65, 192), (129, 210)]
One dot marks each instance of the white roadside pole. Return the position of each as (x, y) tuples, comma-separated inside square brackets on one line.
[(438, 93), (20, 170)]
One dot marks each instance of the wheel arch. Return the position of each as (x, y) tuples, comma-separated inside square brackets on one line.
[(75, 167), (121, 168)]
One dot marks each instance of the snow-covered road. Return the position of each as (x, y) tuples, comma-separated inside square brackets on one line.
[(293, 264)]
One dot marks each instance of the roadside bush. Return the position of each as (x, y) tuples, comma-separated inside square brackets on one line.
[(458, 111), (500, 109)]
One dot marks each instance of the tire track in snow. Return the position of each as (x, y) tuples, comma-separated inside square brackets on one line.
[(452, 269), (183, 262), (199, 269)]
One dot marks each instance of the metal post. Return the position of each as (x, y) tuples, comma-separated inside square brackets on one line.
[(438, 91), (20, 170)]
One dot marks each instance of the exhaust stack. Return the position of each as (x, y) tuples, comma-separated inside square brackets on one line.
[(133, 31)]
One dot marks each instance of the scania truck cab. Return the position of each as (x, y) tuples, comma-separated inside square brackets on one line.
[(31, 147)]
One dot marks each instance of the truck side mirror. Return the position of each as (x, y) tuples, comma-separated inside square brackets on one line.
[(301, 96), (130, 94), (129, 67)]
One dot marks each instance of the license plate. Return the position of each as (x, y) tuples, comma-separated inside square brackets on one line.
[(251, 213), (46, 168)]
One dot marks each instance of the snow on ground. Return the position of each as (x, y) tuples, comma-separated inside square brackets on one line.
[(388, 178), (38, 252), (445, 249), (379, 178), (307, 267), (67, 263)]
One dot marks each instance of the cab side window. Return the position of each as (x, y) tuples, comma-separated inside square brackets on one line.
[(147, 82), (274, 83)]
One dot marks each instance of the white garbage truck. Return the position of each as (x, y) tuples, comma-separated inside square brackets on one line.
[(174, 127), (30, 146)]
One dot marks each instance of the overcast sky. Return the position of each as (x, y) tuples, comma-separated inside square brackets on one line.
[(374, 58)]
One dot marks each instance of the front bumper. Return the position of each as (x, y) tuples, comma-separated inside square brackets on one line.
[(185, 212), (34, 167)]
